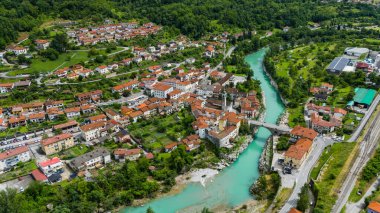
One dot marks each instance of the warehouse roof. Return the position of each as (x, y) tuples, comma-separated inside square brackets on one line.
[(364, 96), (338, 63)]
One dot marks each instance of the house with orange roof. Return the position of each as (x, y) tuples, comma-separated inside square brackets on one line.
[(42, 44), (93, 130), (69, 126), (135, 115), (93, 96), (373, 207), (223, 138), (161, 90), (210, 51), (6, 87), (57, 143), (130, 85), (294, 210), (298, 152), (103, 69), (88, 108), (17, 121), (54, 113), (37, 117), (51, 103), (72, 112), (322, 126), (127, 154), (303, 132), (97, 118), (171, 146)]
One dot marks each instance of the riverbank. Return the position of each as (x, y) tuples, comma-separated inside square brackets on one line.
[(230, 188)]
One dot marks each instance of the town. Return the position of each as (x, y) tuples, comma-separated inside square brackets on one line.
[(121, 111)]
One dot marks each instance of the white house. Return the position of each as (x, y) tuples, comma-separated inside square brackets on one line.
[(90, 160), (6, 87), (51, 166), (92, 131), (72, 112), (127, 154), (10, 158), (161, 90), (102, 69)]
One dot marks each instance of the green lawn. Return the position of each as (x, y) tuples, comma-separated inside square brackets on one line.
[(40, 65), (72, 152), (331, 169), (157, 132), (23, 170)]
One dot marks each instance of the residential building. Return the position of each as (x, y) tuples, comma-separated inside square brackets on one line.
[(303, 132), (126, 86), (161, 90), (93, 130), (6, 87), (97, 118), (18, 50), (70, 126), (37, 117), (51, 166), (96, 158), (53, 104), (298, 152), (57, 143), (93, 96), (111, 114), (373, 207), (72, 112), (171, 146), (11, 158), (102, 69), (17, 121), (222, 138), (42, 44), (127, 154)]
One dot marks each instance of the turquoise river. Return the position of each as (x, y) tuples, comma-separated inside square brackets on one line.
[(230, 187)]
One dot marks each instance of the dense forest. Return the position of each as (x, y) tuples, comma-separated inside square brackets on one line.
[(193, 18)]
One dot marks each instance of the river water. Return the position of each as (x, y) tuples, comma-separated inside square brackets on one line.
[(230, 187)]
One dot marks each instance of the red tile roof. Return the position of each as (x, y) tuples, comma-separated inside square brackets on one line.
[(304, 132), (375, 206), (56, 139), (38, 175), (13, 152), (49, 162)]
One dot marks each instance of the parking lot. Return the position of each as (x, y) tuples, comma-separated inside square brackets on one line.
[(18, 183)]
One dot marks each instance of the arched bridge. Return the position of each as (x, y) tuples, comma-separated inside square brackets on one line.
[(275, 129)]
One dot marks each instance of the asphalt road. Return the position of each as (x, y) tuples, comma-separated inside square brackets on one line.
[(303, 173), (367, 147)]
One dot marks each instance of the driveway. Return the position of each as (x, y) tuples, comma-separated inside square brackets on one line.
[(16, 183)]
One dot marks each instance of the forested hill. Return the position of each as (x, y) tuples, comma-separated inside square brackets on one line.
[(192, 17)]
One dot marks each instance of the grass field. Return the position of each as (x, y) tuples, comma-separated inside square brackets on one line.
[(329, 173), (72, 152), (160, 131), (44, 65), (23, 170), (41, 65)]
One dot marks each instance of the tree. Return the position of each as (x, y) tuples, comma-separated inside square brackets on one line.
[(8, 201), (149, 210), (303, 202), (60, 42)]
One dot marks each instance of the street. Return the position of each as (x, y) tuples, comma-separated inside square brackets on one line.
[(303, 172)]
